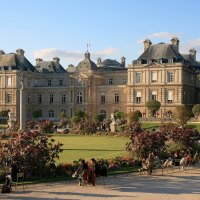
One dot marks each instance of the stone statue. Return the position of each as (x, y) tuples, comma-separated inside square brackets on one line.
[(22, 81), (113, 117), (9, 115)]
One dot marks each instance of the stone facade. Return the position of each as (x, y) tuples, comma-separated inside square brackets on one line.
[(160, 73)]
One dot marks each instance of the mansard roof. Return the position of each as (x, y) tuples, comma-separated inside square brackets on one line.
[(14, 61), (161, 50), (49, 67)]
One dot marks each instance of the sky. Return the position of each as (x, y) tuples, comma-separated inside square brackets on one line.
[(113, 28)]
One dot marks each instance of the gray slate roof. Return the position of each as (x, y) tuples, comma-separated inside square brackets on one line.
[(109, 62), (158, 51), (15, 62), (86, 64), (49, 67)]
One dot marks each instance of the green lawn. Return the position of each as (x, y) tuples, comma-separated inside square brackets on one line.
[(87, 147)]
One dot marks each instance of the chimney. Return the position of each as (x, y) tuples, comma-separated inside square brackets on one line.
[(175, 43), (2, 52), (56, 60), (38, 60), (147, 44), (20, 52), (98, 61), (193, 53), (123, 61)]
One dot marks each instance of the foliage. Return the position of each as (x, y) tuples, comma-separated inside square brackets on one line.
[(144, 142), (88, 127), (153, 106), (63, 115), (75, 119), (119, 115), (37, 113), (168, 139), (196, 110), (134, 116), (4, 113), (46, 126), (32, 152), (81, 114), (99, 118), (182, 114), (31, 124)]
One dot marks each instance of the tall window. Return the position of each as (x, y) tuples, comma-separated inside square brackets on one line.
[(49, 82), (39, 98), (110, 81), (153, 95), (103, 113), (63, 98), (60, 82), (138, 77), (8, 81), (170, 77), (138, 97), (29, 99), (71, 96), (153, 77), (124, 80), (51, 98), (169, 96), (79, 97), (116, 98), (8, 98), (51, 113), (103, 98)]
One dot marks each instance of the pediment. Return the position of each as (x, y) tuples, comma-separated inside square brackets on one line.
[(154, 65)]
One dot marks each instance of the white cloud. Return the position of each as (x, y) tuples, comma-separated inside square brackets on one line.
[(163, 35), (72, 56), (159, 35), (185, 47)]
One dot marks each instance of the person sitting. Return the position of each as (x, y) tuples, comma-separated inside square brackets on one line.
[(144, 166), (7, 186), (83, 172)]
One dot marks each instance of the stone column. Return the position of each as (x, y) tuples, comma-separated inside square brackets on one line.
[(22, 105)]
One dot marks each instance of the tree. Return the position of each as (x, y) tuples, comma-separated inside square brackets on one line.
[(196, 110), (119, 115), (33, 152), (182, 114), (37, 113), (75, 119), (134, 116), (4, 113), (81, 114), (153, 106), (99, 118), (63, 115), (142, 142)]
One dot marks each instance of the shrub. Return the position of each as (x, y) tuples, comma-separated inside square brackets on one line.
[(46, 126), (153, 106)]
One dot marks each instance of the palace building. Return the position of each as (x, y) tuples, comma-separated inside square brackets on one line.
[(161, 73)]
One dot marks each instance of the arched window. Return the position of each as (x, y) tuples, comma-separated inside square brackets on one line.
[(103, 112), (51, 113), (79, 97)]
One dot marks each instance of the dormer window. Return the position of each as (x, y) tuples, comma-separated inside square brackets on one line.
[(49, 82)]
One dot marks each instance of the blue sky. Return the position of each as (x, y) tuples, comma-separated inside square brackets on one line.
[(113, 28)]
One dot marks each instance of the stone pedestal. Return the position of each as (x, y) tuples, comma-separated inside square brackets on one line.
[(11, 123), (113, 127)]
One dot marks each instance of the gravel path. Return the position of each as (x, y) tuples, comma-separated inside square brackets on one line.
[(172, 186)]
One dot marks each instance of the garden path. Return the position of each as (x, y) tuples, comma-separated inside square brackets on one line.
[(179, 185)]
